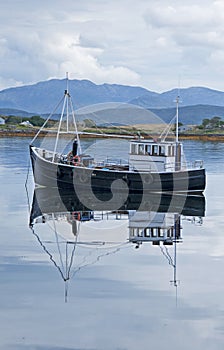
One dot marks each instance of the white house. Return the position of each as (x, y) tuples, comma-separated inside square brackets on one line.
[(2, 121), (26, 123), (184, 128)]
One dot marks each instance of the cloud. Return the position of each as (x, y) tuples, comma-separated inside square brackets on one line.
[(128, 42), (181, 16), (54, 45)]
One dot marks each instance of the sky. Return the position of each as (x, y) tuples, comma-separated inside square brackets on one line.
[(156, 44)]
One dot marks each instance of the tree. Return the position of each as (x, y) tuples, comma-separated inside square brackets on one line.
[(12, 119), (36, 120), (205, 122), (215, 122)]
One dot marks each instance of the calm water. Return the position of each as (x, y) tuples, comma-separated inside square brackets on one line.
[(119, 297)]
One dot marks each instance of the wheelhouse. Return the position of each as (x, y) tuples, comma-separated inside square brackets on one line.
[(146, 155)]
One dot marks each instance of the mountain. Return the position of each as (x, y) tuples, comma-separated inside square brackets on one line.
[(44, 96), (188, 96), (16, 112), (41, 98)]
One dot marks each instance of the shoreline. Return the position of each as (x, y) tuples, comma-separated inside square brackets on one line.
[(28, 133), (202, 137)]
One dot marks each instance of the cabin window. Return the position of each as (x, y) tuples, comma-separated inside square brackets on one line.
[(160, 232), (140, 233), (155, 149), (162, 150), (148, 149), (141, 149), (147, 232), (154, 232), (132, 232), (170, 151), (170, 232), (134, 148)]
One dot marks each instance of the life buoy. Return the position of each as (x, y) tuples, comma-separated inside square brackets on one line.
[(76, 160), (76, 215)]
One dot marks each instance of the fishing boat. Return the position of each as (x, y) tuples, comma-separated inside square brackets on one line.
[(153, 164)]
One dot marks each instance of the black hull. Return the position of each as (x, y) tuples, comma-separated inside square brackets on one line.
[(63, 176)]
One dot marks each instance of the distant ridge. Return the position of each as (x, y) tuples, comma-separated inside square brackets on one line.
[(44, 96), (188, 97), (16, 112), (193, 115), (41, 98)]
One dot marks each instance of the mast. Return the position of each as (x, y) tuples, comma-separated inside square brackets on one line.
[(68, 106), (178, 146), (59, 127)]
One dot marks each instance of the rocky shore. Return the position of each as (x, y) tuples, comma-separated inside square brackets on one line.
[(19, 132)]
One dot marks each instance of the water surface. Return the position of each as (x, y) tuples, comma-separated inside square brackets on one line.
[(125, 298)]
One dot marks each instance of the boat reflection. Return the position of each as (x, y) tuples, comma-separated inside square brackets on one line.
[(74, 236)]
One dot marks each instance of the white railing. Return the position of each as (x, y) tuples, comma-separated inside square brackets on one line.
[(197, 164), (110, 162)]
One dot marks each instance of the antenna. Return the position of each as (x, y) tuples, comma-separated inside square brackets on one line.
[(177, 100), (67, 80), (67, 100)]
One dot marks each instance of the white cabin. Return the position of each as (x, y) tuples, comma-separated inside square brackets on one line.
[(147, 155)]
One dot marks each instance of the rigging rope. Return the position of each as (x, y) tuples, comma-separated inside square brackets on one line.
[(122, 130), (56, 236), (98, 258), (47, 120), (48, 253), (73, 251), (167, 256)]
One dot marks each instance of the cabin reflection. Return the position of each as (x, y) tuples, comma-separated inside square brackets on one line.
[(154, 227)]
